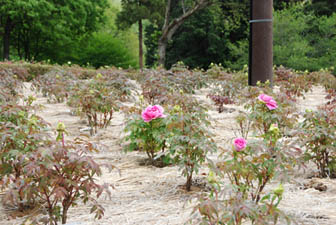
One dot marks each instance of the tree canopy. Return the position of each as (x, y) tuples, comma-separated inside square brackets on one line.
[(35, 26), (197, 32)]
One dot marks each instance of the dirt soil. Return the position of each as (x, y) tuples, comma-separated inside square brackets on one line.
[(146, 195)]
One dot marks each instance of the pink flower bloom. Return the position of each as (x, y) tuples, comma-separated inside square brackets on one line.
[(240, 144), (264, 98), (272, 105), (269, 101), (152, 112)]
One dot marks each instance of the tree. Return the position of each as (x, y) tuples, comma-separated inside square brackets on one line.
[(17, 13), (322, 7), (73, 22), (282, 4), (46, 21), (170, 24), (104, 49), (135, 11), (216, 34)]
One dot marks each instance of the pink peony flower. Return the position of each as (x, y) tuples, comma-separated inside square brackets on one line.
[(152, 112), (269, 101), (272, 105), (240, 144)]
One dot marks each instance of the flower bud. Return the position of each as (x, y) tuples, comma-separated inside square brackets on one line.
[(211, 177), (274, 128), (279, 190), (308, 111), (177, 108), (22, 114), (60, 126), (99, 75)]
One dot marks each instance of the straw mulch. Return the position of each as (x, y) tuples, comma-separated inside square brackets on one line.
[(146, 194)]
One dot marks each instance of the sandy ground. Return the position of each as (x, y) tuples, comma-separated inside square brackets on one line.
[(149, 195)]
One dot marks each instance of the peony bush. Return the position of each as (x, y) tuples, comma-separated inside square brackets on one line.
[(147, 133), (250, 166)]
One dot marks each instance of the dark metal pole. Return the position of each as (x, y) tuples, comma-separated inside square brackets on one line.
[(261, 41)]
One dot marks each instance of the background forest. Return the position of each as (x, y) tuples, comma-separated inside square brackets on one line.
[(106, 32)]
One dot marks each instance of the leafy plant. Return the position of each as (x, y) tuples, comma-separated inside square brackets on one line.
[(189, 138), (318, 135), (158, 85), (226, 206), (250, 167), (101, 96), (261, 117), (147, 133), (22, 133), (55, 84), (324, 78), (292, 84), (9, 86), (220, 101), (227, 86), (59, 176)]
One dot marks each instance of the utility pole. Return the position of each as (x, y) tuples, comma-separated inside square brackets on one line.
[(261, 42)]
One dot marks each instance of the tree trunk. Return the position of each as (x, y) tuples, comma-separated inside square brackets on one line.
[(189, 182), (27, 50), (6, 38), (169, 28), (19, 46), (140, 45), (162, 46), (65, 214)]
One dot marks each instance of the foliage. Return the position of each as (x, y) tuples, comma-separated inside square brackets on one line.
[(220, 101), (303, 41), (133, 11), (22, 133), (158, 85), (146, 136), (324, 78), (261, 117), (318, 132), (104, 49), (25, 71), (291, 47), (321, 7), (189, 139), (228, 207), (227, 86), (99, 98), (53, 23), (61, 175), (56, 85), (9, 86), (37, 171), (223, 25), (292, 84), (250, 169), (184, 133)]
